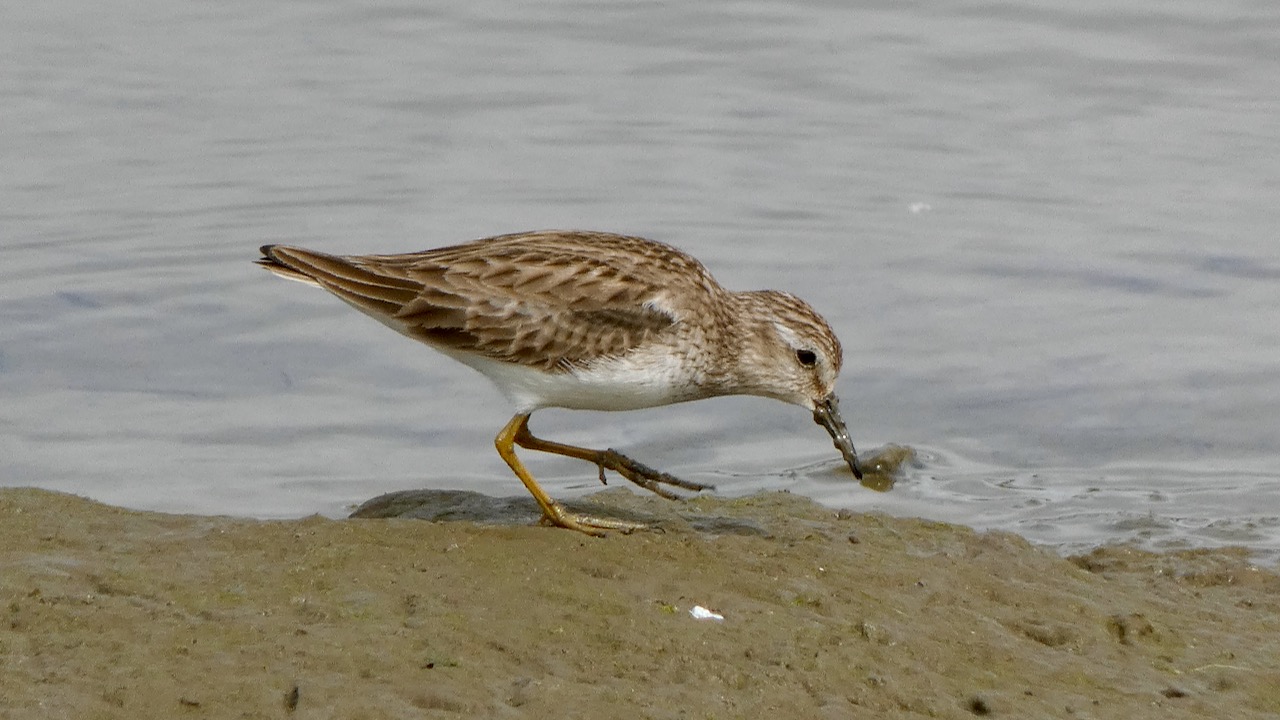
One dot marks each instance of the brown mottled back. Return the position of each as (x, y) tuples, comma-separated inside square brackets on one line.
[(548, 300)]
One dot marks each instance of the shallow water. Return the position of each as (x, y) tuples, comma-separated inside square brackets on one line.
[(1046, 235)]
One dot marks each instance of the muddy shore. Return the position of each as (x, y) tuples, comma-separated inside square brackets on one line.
[(116, 613)]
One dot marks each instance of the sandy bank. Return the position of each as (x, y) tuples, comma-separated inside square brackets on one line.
[(116, 613)]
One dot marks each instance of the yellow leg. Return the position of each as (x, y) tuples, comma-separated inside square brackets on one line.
[(518, 429), (638, 473)]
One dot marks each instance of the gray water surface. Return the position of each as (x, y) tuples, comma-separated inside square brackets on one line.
[(1046, 234)]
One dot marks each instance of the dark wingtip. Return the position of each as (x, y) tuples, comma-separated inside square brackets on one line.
[(269, 259)]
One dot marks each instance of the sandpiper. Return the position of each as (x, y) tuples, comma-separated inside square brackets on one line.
[(591, 321)]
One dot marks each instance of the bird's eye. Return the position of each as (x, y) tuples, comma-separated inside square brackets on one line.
[(807, 358)]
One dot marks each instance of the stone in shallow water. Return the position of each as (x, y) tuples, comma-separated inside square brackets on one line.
[(468, 506)]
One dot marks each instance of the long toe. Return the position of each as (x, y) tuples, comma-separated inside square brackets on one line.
[(589, 524), (646, 477)]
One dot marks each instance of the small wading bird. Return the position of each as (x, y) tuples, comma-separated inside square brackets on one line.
[(590, 321)]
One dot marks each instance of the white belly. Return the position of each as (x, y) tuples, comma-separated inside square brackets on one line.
[(637, 381)]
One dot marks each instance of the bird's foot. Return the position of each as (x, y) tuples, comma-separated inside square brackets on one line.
[(644, 476), (589, 524)]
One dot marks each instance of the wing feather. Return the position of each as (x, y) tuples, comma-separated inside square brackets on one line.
[(550, 300)]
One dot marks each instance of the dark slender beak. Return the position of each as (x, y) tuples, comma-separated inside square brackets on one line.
[(827, 414)]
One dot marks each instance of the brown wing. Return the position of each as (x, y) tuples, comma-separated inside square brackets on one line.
[(548, 300)]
